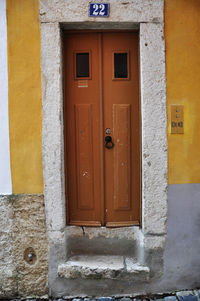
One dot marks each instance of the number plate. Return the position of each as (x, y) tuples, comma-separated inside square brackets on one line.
[(99, 10)]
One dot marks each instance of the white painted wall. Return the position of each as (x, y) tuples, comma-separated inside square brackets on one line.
[(5, 172)]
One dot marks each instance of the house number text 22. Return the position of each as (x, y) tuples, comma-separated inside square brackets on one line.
[(99, 10)]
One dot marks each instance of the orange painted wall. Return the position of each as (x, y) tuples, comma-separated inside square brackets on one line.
[(182, 37), (24, 92)]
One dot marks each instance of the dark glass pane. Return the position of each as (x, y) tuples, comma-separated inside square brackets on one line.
[(120, 65), (82, 64)]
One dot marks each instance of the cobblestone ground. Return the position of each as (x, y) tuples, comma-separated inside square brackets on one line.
[(187, 295)]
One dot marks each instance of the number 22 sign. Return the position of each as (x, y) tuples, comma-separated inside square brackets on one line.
[(99, 10)]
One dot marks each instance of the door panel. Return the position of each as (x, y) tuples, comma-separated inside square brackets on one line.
[(101, 89), (82, 128), (121, 114), (122, 157), (84, 153)]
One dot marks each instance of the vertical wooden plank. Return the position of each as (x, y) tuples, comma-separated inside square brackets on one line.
[(84, 156), (122, 176), (101, 134)]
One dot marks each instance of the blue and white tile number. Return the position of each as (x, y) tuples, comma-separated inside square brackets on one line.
[(99, 10)]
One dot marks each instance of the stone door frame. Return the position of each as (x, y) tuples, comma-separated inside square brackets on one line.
[(146, 16)]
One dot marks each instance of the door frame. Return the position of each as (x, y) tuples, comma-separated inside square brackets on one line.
[(148, 17), (154, 137)]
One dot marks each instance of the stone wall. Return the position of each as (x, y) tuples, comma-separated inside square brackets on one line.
[(22, 230), (8, 284)]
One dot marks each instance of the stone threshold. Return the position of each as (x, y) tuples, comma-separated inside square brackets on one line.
[(103, 267)]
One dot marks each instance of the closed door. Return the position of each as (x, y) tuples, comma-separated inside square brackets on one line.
[(102, 128)]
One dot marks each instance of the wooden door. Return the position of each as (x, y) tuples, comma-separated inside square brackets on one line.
[(102, 128)]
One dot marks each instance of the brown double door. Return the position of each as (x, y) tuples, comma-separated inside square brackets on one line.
[(102, 128)]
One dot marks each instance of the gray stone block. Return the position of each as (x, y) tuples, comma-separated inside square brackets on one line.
[(197, 293), (186, 296), (125, 299), (106, 299), (170, 298)]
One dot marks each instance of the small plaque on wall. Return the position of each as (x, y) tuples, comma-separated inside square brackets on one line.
[(177, 119), (99, 9)]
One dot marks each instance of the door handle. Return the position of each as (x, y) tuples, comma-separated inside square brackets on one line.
[(109, 144)]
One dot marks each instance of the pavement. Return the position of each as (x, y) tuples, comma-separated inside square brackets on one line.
[(185, 295)]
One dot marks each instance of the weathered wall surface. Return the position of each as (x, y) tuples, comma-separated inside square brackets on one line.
[(181, 258), (29, 231), (182, 37), (22, 226), (8, 284), (22, 216), (24, 93)]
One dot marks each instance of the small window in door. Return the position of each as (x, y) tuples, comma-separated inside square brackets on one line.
[(82, 65), (120, 65)]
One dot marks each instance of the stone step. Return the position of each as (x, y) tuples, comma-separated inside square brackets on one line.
[(103, 267), (103, 241)]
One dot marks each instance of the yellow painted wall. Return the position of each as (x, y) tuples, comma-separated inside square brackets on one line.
[(182, 35), (25, 100)]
